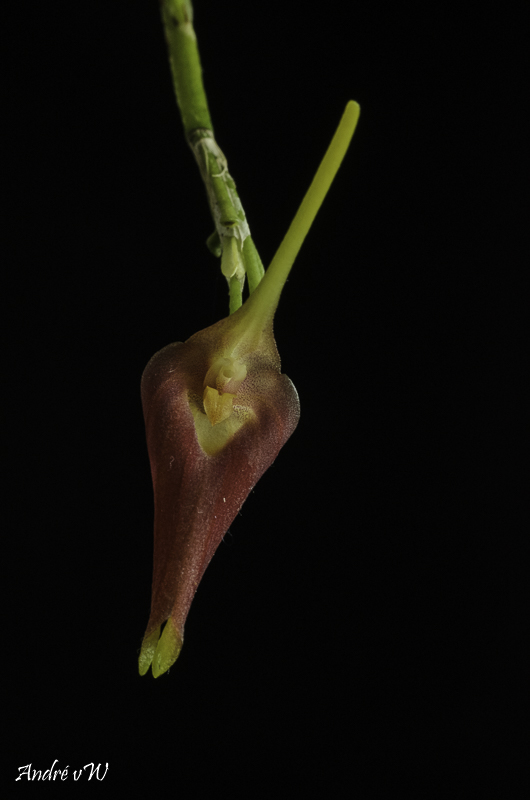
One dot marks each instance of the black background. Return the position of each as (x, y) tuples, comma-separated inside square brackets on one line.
[(360, 620)]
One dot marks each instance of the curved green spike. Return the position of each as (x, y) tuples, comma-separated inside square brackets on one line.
[(258, 311)]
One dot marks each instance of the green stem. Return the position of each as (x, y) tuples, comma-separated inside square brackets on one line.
[(282, 262), (259, 309), (236, 294), (177, 16), (253, 264), (225, 205)]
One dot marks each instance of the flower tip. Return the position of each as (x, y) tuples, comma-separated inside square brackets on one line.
[(148, 651), (160, 654)]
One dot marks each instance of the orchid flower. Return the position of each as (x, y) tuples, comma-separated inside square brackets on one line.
[(217, 408)]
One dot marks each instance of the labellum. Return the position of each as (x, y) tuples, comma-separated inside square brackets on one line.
[(217, 412)]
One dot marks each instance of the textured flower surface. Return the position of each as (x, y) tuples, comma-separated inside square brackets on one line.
[(217, 412)]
